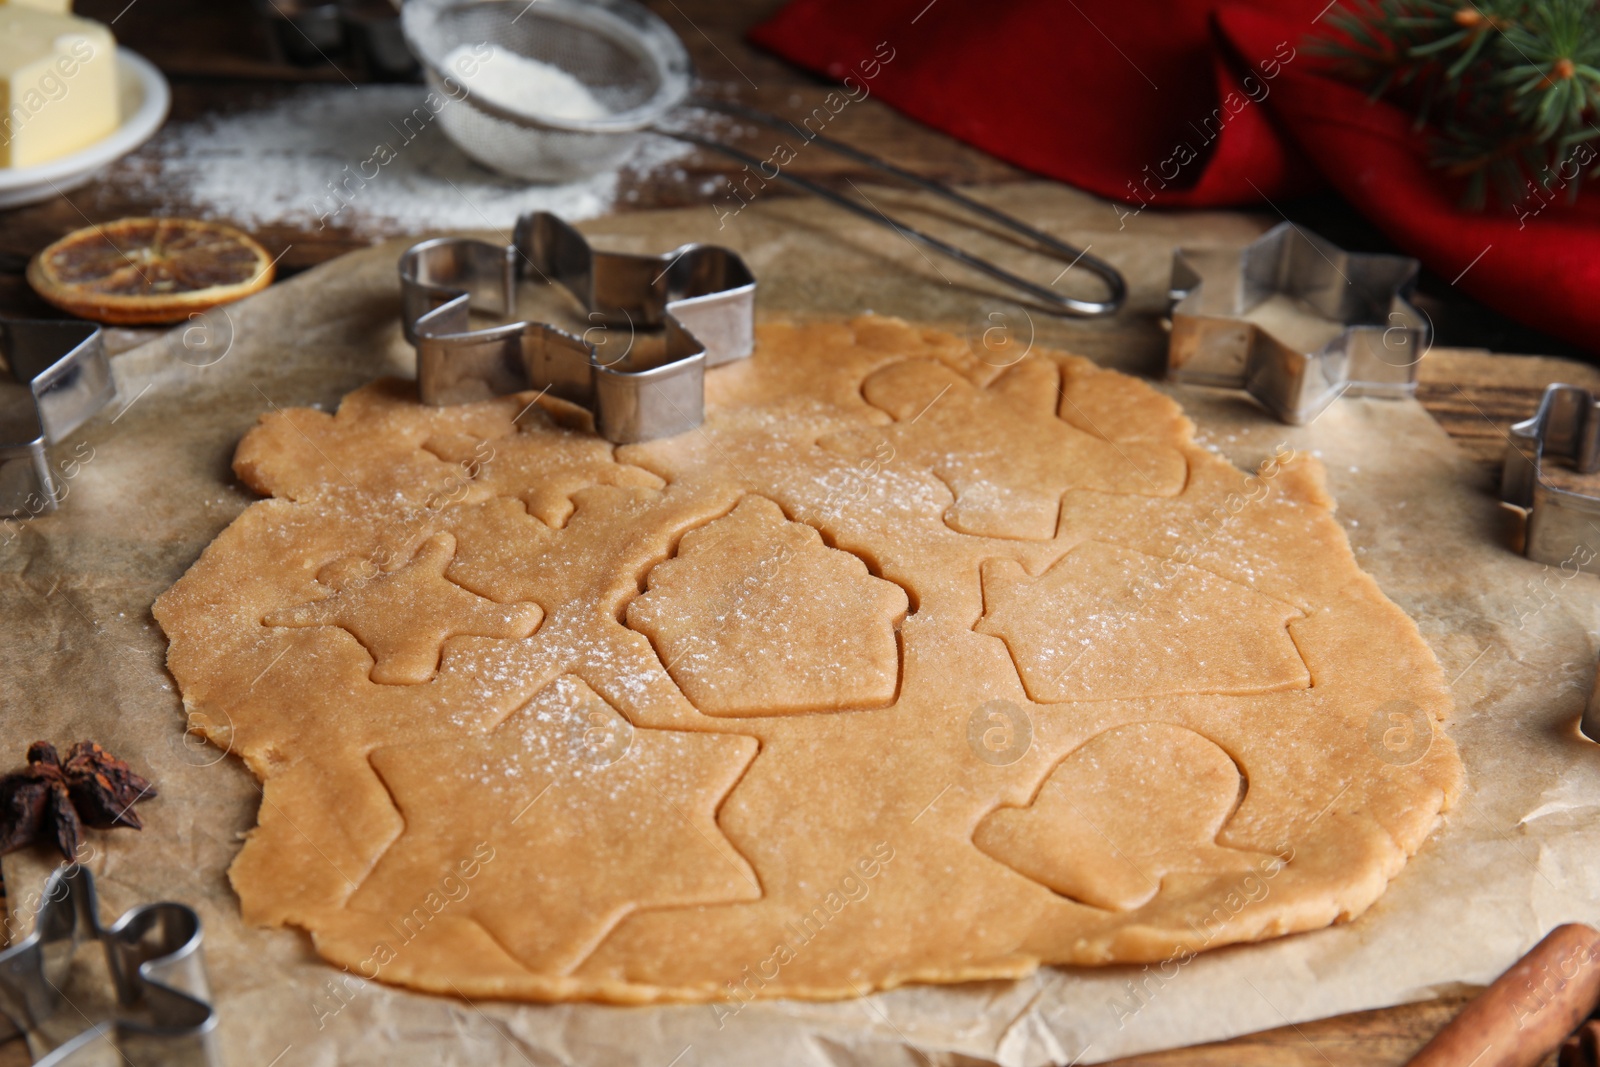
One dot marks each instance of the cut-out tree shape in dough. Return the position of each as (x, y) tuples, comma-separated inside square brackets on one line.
[(1108, 623), (1129, 807), (1002, 450), (756, 616), (564, 869), (403, 617)]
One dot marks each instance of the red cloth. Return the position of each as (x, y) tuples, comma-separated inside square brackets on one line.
[(1188, 104)]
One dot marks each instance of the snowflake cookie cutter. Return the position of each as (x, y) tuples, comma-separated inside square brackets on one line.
[(700, 297), (163, 1015), (1296, 322), (59, 378)]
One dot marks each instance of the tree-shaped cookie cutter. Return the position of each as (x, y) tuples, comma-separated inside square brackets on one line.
[(1214, 341), (59, 378), (163, 1016), (701, 299)]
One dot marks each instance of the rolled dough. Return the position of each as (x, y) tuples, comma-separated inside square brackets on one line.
[(902, 668)]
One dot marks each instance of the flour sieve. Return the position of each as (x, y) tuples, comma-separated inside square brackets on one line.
[(638, 72)]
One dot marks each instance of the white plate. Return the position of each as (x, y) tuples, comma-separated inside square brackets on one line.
[(143, 104)]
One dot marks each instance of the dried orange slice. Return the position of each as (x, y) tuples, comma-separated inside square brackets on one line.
[(137, 271)]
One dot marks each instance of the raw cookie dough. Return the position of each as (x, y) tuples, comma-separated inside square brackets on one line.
[(902, 668)]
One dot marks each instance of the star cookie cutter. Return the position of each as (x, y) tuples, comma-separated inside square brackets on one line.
[(1296, 322), (1555, 523), (59, 378), (163, 1016), (700, 297)]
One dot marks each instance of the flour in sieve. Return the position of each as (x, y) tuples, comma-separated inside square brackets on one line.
[(526, 86)]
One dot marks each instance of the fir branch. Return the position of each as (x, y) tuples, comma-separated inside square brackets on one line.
[(1508, 90)]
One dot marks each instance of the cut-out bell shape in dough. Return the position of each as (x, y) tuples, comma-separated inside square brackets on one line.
[(1125, 809)]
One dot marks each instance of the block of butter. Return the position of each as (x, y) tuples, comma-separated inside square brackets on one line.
[(60, 7), (58, 84)]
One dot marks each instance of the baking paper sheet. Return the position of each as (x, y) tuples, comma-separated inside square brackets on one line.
[(150, 485)]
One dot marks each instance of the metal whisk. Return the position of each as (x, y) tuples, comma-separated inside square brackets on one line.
[(633, 65)]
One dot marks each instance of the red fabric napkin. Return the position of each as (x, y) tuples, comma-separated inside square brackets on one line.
[(1191, 104)]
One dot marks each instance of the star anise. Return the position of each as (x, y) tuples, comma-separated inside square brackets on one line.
[(51, 801)]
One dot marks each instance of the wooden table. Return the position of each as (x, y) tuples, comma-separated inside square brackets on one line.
[(218, 57)]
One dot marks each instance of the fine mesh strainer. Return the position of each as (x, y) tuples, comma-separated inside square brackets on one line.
[(636, 67)]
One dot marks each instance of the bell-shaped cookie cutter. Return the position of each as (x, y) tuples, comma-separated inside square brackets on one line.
[(163, 1018), (1214, 343), (63, 370), (1590, 723), (700, 297), (1557, 525), (1554, 526)]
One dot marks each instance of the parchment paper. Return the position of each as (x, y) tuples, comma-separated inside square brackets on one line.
[(152, 486)]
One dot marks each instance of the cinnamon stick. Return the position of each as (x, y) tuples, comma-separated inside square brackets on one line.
[(1529, 1010), (1582, 1049)]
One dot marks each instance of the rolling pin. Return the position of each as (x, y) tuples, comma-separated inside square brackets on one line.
[(1528, 1011)]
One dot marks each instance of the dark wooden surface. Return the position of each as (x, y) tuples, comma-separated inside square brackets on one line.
[(220, 59)]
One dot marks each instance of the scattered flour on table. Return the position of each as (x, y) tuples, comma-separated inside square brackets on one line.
[(373, 157)]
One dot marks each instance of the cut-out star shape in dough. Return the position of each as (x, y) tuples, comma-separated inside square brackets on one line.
[(756, 616), (1129, 807), (1108, 623), (403, 617), (564, 868), (1003, 450)]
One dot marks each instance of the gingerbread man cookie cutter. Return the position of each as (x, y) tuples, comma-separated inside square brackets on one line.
[(59, 378), (163, 1015), (1347, 325), (701, 298)]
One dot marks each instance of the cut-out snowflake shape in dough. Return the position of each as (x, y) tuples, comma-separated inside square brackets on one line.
[(1119, 814), (756, 616), (403, 617), (542, 469), (1108, 623), (1003, 450), (563, 869)]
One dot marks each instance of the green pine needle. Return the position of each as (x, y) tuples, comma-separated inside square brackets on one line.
[(1508, 89)]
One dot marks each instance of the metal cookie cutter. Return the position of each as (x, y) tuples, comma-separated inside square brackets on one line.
[(163, 1016), (1590, 723), (700, 297), (1296, 322), (1557, 525), (59, 378)]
